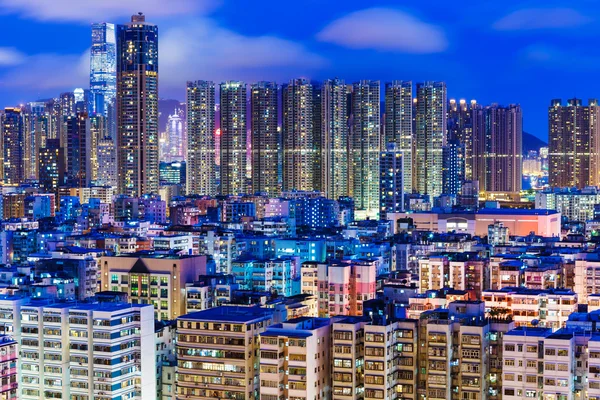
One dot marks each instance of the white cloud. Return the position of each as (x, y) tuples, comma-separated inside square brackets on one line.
[(10, 56), (541, 18), (386, 30), (101, 10), (49, 72), (203, 50)]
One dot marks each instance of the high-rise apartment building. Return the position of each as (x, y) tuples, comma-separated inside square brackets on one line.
[(295, 359), (107, 162), (103, 68), (365, 148), (218, 353), (334, 160), (264, 105), (430, 137), (498, 135), (201, 173), (391, 188), (233, 157), (137, 107), (12, 146), (78, 167), (299, 152), (453, 167), (51, 166), (399, 125), (99, 351), (460, 128), (574, 143)]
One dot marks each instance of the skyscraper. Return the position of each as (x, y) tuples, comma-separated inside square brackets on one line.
[(460, 127), (107, 159), (201, 173), (298, 136), (51, 166), (137, 107), (175, 139), (97, 132), (498, 135), (334, 139), (13, 146), (391, 186), (573, 135), (453, 169), (365, 148), (399, 125), (78, 150), (233, 138), (430, 137), (265, 138), (103, 68)]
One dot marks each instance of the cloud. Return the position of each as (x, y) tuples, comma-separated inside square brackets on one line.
[(102, 10), (541, 18), (48, 73), (204, 50), (386, 30), (10, 56), (552, 57)]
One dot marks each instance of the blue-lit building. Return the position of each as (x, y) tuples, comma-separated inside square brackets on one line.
[(39, 206), (306, 249), (173, 173), (70, 208), (236, 210), (274, 275), (453, 167), (317, 212), (103, 68), (13, 146), (391, 181)]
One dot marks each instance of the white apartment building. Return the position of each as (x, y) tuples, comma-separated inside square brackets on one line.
[(82, 352), (295, 360)]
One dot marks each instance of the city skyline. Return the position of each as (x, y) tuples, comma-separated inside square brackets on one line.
[(534, 42)]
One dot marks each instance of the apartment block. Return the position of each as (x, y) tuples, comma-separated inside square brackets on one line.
[(8, 368), (528, 307), (84, 351), (344, 286), (153, 278), (218, 353), (295, 360)]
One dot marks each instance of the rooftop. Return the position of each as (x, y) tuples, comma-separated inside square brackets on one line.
[(230, 314)]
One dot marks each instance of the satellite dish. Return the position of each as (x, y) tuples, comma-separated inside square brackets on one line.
[(535, 322)]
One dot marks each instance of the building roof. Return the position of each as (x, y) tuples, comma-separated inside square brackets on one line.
[(238, 314)]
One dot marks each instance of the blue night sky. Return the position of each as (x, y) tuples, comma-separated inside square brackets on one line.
[(525, 52)]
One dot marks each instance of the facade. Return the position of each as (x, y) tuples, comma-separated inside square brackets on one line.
[(78, 150), (399, 125), (80, 351), (264, 105), (460, 128), (430, 137), (103, 69), (218, 354), (453, 167), (334, 139), (294, 355), (345, 286), (156, 280), (137, 107), (498, 135), (574, 143), (13, 146), (233, 160), (51, 166), (299, 155), (8, 364), (366, 148), (201, 172), (392, 180)]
